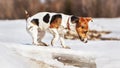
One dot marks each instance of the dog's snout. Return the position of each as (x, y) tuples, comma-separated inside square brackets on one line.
[(81, 38), (85, 41), (85, 32)]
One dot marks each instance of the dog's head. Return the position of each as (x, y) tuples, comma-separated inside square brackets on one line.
[(82, 27)]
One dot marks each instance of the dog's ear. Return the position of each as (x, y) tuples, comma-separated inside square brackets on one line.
[(89, 19), (82, 19), (74, 19)]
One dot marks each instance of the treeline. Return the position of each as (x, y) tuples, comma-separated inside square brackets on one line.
[(14, 9)]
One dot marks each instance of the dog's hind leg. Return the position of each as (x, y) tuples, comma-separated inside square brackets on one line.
[(33, 32), (40, 35), (37, 36)]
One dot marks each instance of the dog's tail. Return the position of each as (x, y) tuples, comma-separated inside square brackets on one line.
[(27, 14)]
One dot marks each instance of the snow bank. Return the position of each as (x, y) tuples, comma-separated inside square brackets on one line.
[(17, 52)]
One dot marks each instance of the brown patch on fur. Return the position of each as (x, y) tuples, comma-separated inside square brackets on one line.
[(68, 24), (56, 23), (35, 22)]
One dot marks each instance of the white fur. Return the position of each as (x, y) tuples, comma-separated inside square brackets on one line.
[(57, 33)]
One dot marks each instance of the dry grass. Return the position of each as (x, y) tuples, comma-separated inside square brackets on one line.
[(92, 35)]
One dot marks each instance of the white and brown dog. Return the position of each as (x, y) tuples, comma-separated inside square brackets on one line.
[(57, 24)]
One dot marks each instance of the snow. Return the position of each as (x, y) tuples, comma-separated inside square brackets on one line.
[(107, 24), (17, 51)]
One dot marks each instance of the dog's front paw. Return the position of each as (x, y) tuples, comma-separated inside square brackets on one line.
[(42, 44)]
